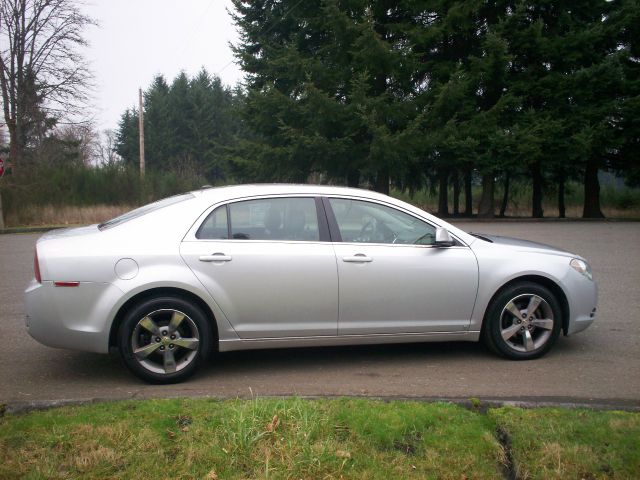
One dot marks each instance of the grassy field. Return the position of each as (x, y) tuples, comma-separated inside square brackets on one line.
[(317, 439), (620, 203), (39, 215)]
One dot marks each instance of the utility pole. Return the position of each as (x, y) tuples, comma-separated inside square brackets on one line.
[(141, 124)]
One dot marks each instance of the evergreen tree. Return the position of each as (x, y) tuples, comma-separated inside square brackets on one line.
[(326, 88), (159, 139), (188, 125), (127, 138)]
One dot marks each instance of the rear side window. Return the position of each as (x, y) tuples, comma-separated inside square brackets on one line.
[(274, 219), (215, 227), (284, 219)]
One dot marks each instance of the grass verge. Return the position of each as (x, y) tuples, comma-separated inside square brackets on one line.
[(618, 203), (560, 443), (42, 215), (296, 438)]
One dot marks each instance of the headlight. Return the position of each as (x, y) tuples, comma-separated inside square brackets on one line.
[(582, 267)]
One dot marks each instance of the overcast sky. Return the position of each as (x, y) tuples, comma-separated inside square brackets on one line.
[(138, 39)]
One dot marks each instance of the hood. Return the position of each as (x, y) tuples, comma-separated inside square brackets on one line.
[(519, 244)]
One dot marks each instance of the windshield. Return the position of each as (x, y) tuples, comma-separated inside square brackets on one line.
[(138, 212)]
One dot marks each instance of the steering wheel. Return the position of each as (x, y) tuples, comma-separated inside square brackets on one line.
[(367, 230), (429, 236)]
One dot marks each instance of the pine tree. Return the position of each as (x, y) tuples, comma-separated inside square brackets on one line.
[(326, 88)]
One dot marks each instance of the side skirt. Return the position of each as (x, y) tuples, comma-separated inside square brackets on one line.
[(326, 341)]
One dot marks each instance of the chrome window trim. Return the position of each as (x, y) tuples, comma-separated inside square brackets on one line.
[(191, 234)]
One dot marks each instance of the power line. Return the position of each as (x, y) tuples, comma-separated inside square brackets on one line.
[(196, 28)]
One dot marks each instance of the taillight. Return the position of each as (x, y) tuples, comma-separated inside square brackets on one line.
[(36, 267)]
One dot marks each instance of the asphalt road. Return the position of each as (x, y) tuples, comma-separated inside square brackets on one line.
[(600, 365)]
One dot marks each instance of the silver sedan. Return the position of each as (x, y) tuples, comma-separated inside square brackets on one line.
[(262, 266)]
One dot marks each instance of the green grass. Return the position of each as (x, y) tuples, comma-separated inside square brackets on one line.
[(295, 438), (558, 443)]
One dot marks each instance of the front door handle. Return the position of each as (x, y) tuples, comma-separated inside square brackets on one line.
[(216, 257), (357, 258)]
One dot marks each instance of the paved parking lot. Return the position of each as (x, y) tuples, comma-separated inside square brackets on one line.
[(600, 365)]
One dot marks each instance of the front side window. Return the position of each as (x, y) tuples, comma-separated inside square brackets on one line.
[(366, 222), (274, 219)]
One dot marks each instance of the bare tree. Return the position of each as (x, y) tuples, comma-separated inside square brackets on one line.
[(106, 149), (85, 140), (43, 75)]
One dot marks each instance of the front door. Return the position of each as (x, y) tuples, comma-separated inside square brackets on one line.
[(392, 279)]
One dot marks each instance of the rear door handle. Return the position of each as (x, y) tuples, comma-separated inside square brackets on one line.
[(216, 257), (357, 258)]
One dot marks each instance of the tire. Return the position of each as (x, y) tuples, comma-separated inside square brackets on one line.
[(523, 321), (164, 339)]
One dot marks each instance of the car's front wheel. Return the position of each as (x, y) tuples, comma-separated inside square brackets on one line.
[(164, 339), (523, 321)]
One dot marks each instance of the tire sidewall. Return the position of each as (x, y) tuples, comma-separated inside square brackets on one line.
[(145, 307), (493, 335)]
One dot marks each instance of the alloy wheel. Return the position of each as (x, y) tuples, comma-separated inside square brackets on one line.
[(165, 341), (526, 322)]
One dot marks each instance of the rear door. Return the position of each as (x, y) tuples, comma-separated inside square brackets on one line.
[(269, 266), (392, 280)]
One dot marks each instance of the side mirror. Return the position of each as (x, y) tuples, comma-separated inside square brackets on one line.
[(444, 238)]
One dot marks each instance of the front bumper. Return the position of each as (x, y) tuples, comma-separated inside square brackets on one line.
[(71, 317), (582, 303)]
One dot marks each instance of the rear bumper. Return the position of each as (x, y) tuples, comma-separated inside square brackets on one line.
[(71, 317)]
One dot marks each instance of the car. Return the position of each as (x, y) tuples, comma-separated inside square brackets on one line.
[(263, 266)]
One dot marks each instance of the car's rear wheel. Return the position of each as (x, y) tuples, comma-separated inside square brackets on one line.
[(523, 321), (164, 339)]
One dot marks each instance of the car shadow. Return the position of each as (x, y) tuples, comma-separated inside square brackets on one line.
[(246, 362), (69, 367)]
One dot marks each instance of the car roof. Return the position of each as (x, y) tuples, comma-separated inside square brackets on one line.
[(236, 191)]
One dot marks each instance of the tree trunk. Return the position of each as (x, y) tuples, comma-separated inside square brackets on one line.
[(14, 150), (353, 178), (456, 193), (505, 197), (468, 198), (485, 209), (1, 213), (382, 181), (536, 200), (591, 192), (561, 189), (443, 200)]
